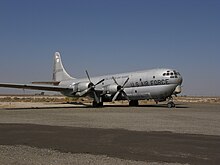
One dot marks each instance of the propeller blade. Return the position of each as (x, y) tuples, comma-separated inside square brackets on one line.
[(116, 95), (85, 91), (115, 81), (99, 82), (96, 97), (125, 95), (88, 76), (125, 82)]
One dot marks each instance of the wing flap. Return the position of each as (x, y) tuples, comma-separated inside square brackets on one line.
[(35, 87)]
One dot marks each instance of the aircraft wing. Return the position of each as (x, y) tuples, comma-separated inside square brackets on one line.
[(35, 87)]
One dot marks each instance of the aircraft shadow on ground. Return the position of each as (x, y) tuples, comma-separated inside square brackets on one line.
[(84, 106), (149, 105)]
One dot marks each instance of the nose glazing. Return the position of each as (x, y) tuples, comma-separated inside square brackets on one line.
[(180, 80)]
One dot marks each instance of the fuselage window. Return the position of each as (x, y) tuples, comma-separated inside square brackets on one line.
[(153, 76)]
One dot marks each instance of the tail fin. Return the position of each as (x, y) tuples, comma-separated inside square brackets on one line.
[(59, 73)]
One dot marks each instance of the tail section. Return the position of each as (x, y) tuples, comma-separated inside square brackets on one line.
[(59, 73)]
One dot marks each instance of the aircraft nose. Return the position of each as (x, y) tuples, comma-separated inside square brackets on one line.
[(180, 80)]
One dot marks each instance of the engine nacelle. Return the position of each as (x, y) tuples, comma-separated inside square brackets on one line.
[(78, 87), (111, 89)]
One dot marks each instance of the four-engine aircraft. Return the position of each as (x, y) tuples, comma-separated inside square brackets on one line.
[(157, 84)]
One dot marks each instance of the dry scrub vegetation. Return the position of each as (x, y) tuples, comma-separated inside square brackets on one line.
[(33, 99), (63, 99)]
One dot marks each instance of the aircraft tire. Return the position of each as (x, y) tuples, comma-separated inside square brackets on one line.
[(101, 104), (95, 104), (171, 105), (133, 103)]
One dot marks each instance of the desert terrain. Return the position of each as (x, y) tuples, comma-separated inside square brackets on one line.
[(58, 130)]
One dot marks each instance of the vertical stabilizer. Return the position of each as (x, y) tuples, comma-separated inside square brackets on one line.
[(59, 73)]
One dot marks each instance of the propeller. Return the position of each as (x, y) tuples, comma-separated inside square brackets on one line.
[(91, 88), (120, 89)]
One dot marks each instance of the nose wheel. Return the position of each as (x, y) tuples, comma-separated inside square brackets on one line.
[(170, 103)]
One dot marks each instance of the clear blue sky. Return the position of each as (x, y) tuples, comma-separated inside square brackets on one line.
[(112, 36)]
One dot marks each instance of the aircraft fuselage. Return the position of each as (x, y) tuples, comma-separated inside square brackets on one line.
[(157, 84)]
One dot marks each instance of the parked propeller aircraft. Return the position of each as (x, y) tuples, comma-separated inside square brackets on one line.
[(156, 84)]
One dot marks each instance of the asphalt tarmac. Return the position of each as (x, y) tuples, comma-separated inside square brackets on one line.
[(188, 134)]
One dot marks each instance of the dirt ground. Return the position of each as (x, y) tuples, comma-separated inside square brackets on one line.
[(61, 133)]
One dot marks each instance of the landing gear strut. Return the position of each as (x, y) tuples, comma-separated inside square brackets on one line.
[(133, 103), (95, 104), (170, 103)]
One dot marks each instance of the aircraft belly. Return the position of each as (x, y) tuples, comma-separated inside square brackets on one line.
[(150, 92)]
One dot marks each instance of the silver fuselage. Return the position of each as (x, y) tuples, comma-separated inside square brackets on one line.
[(157, 84)]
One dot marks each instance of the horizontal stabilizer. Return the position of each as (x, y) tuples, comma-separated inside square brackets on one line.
[(35, 87)]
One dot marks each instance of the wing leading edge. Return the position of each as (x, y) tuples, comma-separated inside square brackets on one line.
[(35, 87)]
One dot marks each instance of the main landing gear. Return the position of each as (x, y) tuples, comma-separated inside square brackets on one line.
[(170, 103), (95, 104), (133, 103)]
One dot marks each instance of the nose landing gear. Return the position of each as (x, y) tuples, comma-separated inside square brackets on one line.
[(170, 103)]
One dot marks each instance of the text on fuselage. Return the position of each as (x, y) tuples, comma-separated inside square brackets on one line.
[(150, 83)]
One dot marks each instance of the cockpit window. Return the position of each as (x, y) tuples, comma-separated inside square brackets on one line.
[(173, 74)]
